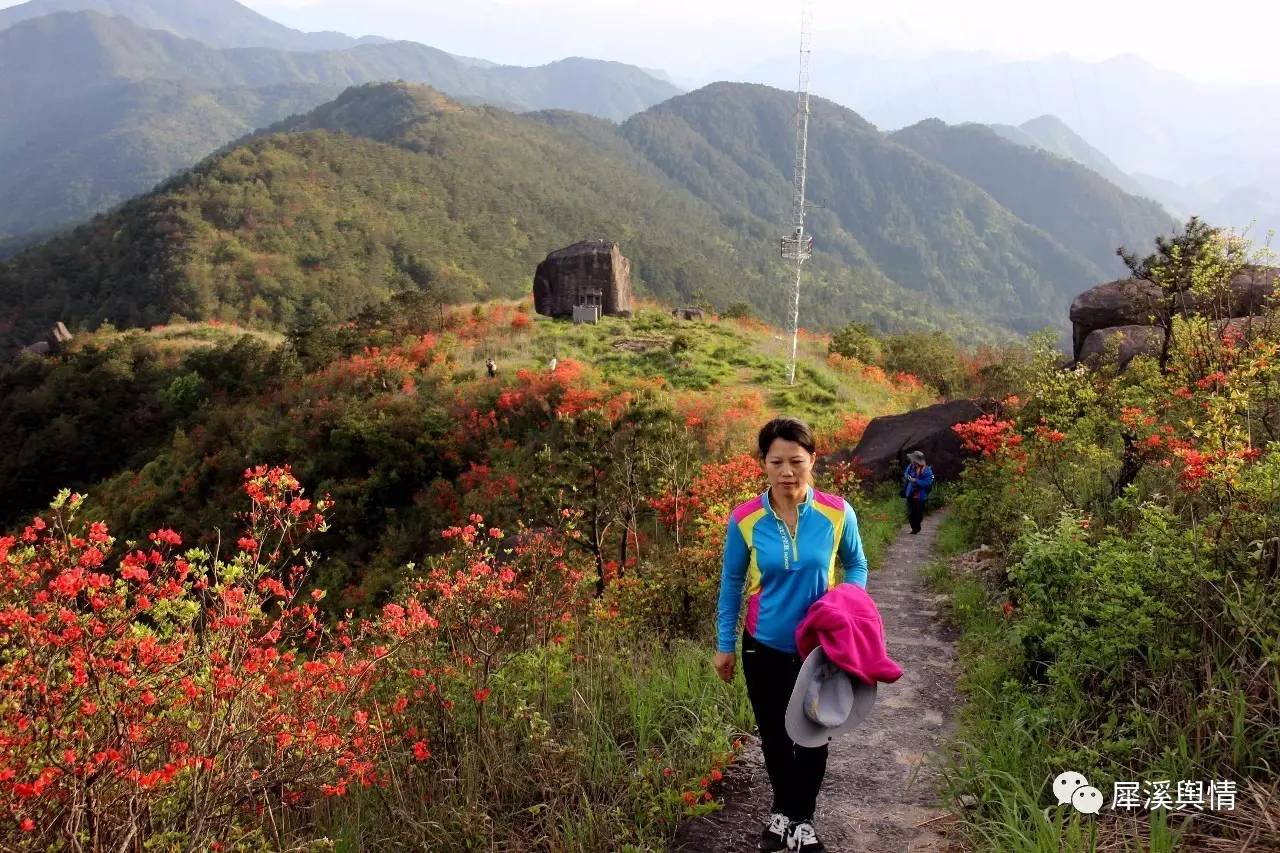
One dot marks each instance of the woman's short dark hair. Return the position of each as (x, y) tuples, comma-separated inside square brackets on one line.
[(788, 429)]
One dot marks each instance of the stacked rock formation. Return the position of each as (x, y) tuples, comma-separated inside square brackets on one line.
[(592, 272), (1131, 310)]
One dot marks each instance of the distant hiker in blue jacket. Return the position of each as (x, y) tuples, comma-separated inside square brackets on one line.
[(917, 480)]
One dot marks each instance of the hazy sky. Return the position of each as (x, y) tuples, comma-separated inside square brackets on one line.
[(1229, 41)]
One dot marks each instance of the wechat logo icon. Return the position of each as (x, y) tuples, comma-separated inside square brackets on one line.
[(1074, 788)]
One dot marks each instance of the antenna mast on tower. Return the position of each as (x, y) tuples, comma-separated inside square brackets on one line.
[(798, 246)]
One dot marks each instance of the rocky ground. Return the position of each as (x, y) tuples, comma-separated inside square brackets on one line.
[(880, 793)]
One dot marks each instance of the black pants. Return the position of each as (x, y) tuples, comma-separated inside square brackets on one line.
[(795, 772), (915, 513)]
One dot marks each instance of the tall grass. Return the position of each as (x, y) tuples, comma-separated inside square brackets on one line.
[(598, 743), (1001, 764)]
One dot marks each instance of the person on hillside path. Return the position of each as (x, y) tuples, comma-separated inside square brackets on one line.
[(492, 367), (551, 365), (783, 545), (917, 480)]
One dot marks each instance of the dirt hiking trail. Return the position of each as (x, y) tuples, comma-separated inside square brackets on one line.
[(879, 792)]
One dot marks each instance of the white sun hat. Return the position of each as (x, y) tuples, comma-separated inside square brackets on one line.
[(826, 701)]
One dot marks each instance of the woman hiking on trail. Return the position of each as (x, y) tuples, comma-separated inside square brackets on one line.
[(784, 545), (917, 480)]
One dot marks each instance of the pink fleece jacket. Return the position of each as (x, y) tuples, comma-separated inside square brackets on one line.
[(846, 623)]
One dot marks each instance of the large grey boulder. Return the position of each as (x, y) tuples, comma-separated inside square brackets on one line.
[(1247, 326), (1251, 292), (1129, 341), (54, 342), (1138, 302), (592, 272), (1125, 302), (1132, 341), (887, 440)]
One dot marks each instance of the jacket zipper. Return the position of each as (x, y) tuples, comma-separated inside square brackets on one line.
[(795, 550), (791, 538)]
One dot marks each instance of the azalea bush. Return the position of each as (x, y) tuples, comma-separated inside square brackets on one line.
[(150, 690), (678, 590), (1172, 476), (156, 693), (453, 630)]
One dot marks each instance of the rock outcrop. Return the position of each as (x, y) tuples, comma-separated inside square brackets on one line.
[(592, 272), (982, 563), (887, 440), (1251, 291), (1129, 303), (1130, 341), (1133, 341)]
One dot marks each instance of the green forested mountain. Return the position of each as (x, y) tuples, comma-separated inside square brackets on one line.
[(1052, 134), (61, 162), (218, 23), (882, 205), (95, 109), (394, 187), (1087, 214), (70, 51)]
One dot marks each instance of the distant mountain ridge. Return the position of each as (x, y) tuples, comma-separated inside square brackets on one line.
[(1211, 200), (884, 205), (1052, 134), (217, 23), (115, 47), (1089, 215), (1210, 145), (95, 109)]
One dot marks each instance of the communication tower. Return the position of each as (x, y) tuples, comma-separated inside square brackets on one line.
[(798, 246)]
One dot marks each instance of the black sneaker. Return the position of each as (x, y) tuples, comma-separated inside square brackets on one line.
[(774, 836), (802, 837)]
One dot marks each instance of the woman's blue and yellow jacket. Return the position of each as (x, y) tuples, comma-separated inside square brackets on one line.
[(783, 575)]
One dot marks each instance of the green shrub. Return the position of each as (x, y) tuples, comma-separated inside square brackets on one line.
[(931, 357), (857, 341)]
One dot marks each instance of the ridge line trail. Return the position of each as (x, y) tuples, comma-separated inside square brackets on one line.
[(870, 800)]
